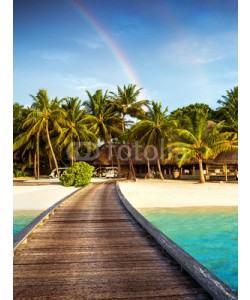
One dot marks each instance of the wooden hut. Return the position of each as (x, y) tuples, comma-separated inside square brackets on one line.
[(229, 160), (189, 170), (123, 155)]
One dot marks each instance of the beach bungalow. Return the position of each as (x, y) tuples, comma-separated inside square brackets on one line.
[(222, 167), (122, 155), (228, 162)]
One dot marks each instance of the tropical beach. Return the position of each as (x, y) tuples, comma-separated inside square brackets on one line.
[(141, 194)]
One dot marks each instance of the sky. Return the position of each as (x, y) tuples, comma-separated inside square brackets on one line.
[(178, 51)]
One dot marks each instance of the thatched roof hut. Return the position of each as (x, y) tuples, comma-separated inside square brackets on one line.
[(173, 162), (110, 153), (227, 157)]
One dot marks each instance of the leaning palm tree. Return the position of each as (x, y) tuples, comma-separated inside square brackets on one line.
[(38, 120), (153, 130), (125, 102), (73, 128), (196, 140)]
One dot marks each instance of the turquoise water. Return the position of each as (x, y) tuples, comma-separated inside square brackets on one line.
[(21, 218), (209, 234)]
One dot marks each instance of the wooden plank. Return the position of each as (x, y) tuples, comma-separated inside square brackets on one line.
[(91, 248)]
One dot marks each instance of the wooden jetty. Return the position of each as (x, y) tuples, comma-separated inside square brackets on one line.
[(92, 247)]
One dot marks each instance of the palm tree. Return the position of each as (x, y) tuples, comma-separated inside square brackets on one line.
[(125, 102), (153, 130), (197, 140), (101, 118), (23, 145), (73, 128), (38, 120), (228, 110)]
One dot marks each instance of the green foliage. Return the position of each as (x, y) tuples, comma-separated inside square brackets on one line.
[(101, 119), (125, 102), (78, 175), (20, 173), (228, 111), (180, 113)]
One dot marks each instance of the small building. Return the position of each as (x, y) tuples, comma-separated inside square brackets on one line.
[(123, 155), (228, 162), (223, 167)]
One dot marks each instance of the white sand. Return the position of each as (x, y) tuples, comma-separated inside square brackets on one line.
[(41, 197), (171, 193), (38, 197), (141, 194)]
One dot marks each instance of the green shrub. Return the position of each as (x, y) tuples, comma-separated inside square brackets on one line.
[(20, 173), (78, 175)]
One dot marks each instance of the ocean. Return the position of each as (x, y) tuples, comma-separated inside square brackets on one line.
[(209, 234), (21, 218)]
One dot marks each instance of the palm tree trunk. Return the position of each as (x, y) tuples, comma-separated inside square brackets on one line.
[(131, 170), (38, 155), (72, 153), (119, 167), (159, 168), (123, 123), (51, 148), (131, 174), (202, 177), (50, 163), (149, 173), (35, 168), (225, 170)]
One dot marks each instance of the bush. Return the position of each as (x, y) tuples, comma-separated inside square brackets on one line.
[(78, 175), (20, 173)]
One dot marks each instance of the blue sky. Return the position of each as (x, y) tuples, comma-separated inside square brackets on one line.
[(179, 51)]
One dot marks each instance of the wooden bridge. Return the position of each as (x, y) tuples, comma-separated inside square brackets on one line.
[(93, 248)]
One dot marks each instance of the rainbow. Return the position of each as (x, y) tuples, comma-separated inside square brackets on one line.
[(112, 45)]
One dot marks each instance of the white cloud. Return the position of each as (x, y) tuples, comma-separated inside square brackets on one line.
[(84, 83), (201, 50), (55, 56), (89, 43)]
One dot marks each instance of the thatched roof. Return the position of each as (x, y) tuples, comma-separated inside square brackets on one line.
[(108, 152), (227, 157), (172, 162)]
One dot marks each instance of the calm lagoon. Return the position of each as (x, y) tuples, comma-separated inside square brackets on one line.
[(209, 234), (21, 218)]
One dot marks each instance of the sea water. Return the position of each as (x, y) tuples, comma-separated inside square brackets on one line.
[(209, 234), (21, 218)]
